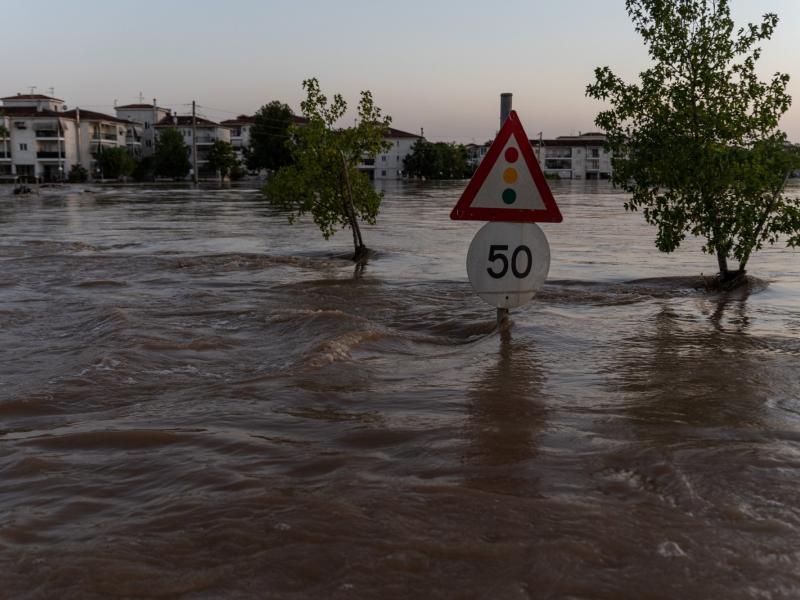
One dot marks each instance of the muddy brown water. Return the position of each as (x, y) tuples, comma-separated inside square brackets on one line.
[(198, 400)]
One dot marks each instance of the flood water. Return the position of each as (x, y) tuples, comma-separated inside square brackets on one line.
[(198, 400)]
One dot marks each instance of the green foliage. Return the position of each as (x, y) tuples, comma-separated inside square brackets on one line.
[(237, 172), (115, 163), (77, 174), (268, 136), (222, 158), (144, 170), (324, 180), (171, 158), (696, 141), (438, 161)]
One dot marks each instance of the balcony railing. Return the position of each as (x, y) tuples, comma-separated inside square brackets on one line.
[(48, 133), (106, 136), (5, 155), (46, 154)]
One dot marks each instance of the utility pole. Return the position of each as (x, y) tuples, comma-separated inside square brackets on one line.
[(505, 110), (78, 134), (194, 141), (152, 134)]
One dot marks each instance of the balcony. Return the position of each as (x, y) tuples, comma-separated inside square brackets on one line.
[(49, 154), (111, 137), (205, 139), (555, 163), (5, 155), (49, 134)]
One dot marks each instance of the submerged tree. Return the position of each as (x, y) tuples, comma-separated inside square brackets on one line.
[(115, 163), (171, 158), (268, 149), (438, 160), (324, 180), (696, 141), (222, 159)]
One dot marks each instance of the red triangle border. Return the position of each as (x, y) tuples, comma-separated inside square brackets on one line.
[(463, 209)]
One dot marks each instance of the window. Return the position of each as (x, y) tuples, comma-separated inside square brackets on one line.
[(556, 163), (23, 146), (595, 152), (148, 143), (383, 173), (383, 157), (146, 125), (558, 152)]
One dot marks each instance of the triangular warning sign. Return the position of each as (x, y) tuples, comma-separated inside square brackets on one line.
[(508, 185)]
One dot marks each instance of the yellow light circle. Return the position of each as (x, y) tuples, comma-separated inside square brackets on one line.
[(510, 175)]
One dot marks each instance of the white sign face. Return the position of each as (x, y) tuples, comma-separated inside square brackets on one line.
[(509, 183), (508, 262)]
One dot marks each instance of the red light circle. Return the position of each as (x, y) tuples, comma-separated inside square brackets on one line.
[(512, 154)]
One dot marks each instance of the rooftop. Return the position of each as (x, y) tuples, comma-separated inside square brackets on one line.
[(396, 133), (240, 120), (150, 106), (30, 97), (27, 112), (185, 121), (584, 139), (90, 115)]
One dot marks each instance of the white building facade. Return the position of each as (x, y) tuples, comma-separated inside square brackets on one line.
[(240, 133), (45, 140), (147, 115), (574, 156), (389, 163), (40, 141), (208, 133)]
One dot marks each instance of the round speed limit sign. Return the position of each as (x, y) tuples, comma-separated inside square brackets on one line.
[(508, 262)]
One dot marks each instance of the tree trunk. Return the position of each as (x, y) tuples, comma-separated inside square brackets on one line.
[(722, 259), (762, 221), (350, 211)]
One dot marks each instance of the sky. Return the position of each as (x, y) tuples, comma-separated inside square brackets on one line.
[(434, 64)]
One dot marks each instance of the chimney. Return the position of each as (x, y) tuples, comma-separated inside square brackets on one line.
[(505, 106)]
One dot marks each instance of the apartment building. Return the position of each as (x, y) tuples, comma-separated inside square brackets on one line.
[(475, 152), (208, 132), (389, 163), (241, 128), (574, 156), (44, 140), (147, 115), (240, 133), (98, 132), (39, 138)]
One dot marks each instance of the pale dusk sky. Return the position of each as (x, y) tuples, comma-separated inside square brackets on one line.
[(440, 65)]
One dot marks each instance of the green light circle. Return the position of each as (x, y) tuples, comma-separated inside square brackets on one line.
[(509, 196)]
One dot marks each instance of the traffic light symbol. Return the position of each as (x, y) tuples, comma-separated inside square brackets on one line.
[(510, 175)]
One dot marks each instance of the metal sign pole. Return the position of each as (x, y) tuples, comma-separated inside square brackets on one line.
[(505, 109)]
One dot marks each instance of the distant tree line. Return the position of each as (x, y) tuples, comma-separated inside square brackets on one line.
[(171, 159), (438, 160)]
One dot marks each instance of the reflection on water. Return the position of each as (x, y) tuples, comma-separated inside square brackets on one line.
[(505, 412), (698, 369), (198, 400)]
